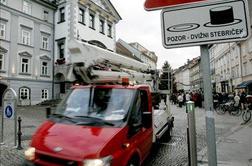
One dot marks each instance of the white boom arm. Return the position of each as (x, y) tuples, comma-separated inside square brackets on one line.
[(85, 56)]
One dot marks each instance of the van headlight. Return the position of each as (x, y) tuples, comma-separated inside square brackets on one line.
[(106, 161), (30, 153)]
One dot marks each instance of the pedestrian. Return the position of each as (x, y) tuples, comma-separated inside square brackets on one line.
[(188, 97), (236, 100), (180, 100), (243, 100)]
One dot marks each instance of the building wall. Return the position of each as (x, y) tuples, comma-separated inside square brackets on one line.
[(12, 15)]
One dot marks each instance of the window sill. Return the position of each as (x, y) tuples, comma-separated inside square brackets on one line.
[(46, 76), (82, 23), (92, 28), (26, 74), (3, 39), (60, 21), (25, 45), (102, 33), (45, 50), (110, 37), (2, 71)]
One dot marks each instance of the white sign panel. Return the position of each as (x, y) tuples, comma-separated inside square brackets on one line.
[(206, 23)]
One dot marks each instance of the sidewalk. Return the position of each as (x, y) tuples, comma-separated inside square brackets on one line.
[(233, 149), (32, 117)]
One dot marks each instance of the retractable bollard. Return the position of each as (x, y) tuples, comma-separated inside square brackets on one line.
[(191, 131), (48, 112), (19, 133)]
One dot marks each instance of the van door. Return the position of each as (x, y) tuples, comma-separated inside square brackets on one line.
[(140, 135)]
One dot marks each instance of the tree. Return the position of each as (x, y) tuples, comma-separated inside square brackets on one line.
[(165, 77)]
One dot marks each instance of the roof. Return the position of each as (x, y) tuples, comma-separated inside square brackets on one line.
[(244, 84)]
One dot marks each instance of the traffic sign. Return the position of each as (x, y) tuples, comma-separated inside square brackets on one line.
[(9, 111), (206, 23), (159, 4)]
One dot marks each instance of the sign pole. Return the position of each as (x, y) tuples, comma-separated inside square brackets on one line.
[(208, 100)]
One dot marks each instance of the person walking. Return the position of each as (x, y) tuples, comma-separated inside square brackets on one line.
[(243, 100), (180, 100)]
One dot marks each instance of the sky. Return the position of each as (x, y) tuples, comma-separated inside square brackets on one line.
[(144, 27)]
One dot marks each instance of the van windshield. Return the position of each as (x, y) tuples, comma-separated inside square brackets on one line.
[(105, 104)]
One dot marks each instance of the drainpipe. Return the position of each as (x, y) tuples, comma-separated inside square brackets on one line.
[(53, 58)]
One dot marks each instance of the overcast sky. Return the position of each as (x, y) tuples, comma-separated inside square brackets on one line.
[(144, 27)]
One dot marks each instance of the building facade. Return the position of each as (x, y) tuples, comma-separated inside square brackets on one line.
[(26, 49), (92, 21), (138, 52)]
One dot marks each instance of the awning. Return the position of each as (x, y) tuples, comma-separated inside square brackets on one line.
[(244, 84)]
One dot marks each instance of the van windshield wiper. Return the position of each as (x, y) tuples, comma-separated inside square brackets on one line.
[(93, 120), (62, 116)]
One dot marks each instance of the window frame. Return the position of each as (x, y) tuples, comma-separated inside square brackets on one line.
[(27, 9), (62, 15), (3, 30), (45, 43), (44, 94), (2, 61), (26, 40), (61, 51), (44, 69), (25, 67), (102, 26), (109, 30), (92, 20), (45, 15), (81, 16), (26, 91)]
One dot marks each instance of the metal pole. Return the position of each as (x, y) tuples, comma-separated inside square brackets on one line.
[(208, 100), (192, 132), (15, 125), (2, 126)]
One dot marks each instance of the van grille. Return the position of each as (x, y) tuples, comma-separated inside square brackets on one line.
[(58, 161)]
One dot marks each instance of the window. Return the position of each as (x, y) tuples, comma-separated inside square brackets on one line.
[(61, 48), (81, 16), (3, 2), (46, 13), (62, 14), (91, 21), (24, 93), (26, 37), (26, 7), (2, 30), (45, 42), (1, 61), (44, 68), (101, 26), (44, 94), (109, 30), (24, 65)]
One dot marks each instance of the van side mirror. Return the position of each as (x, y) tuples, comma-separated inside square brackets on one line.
[(147, 119)]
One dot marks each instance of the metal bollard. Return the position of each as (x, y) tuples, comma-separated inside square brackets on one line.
[(19, 133), (190, 108), (48, 112)]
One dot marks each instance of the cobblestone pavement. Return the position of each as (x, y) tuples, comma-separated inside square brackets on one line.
[(172, 153), (32, 117)]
